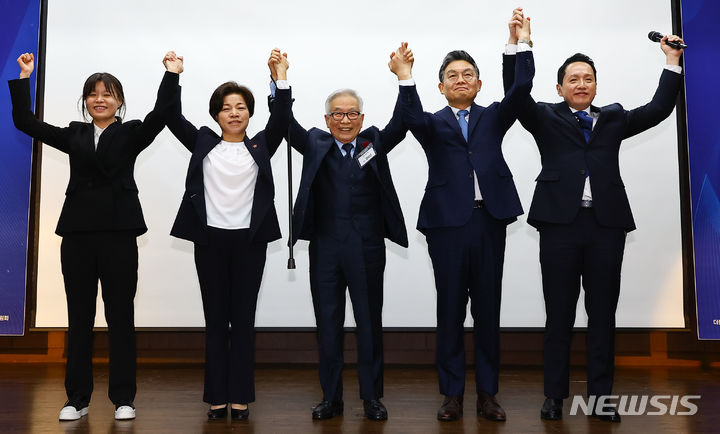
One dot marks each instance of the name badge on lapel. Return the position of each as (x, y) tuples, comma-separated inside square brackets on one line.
[(367, 154)]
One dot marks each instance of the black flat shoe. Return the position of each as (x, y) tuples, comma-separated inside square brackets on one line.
[(217, 414), (238, 414)]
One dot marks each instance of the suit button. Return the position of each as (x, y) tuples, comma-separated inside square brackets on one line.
[(469, 152), (582, 171), (470, 175)]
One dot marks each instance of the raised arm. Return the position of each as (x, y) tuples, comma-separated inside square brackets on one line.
[(277, 125), (408, 102), (663, 102), (155, 121), (517, 95), (181, 128), (23, 117), (400, 64), (518, 72)]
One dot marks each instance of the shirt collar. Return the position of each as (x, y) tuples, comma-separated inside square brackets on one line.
[(340, 144), (456, 110), (97, 131)]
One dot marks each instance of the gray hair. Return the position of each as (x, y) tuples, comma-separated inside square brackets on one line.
[(343, 92)]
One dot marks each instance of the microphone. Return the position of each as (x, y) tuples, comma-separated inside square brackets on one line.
[(657, 37)]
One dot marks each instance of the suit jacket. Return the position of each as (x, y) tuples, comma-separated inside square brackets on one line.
[(315, 144), (566, 156), (450, 192), (101, 194), (191, 221)]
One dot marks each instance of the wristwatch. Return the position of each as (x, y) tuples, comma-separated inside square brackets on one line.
[(527, 41)]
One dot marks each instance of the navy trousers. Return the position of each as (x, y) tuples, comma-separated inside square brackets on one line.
[(468, 263), (356, 264), (581, 252)]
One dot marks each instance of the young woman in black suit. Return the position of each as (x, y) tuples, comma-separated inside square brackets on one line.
[(228, 212), (100, 220)]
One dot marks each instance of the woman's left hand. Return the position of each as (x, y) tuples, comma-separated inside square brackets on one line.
[(278, 64), (173, 62)]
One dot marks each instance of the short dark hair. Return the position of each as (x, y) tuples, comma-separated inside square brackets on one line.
[(577, 57), (113, 86), (457, 55), (218, 97)]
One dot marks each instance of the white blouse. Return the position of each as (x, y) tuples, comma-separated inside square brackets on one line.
[(229, 176)]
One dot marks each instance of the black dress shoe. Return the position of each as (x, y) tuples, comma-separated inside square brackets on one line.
[(375, 410), (489, 408), (217, 414), (451, 408), (327, 409), (551, 409), (238, 414), (611, 414)]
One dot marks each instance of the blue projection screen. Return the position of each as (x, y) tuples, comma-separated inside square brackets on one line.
[(19, 32), (704, 156)]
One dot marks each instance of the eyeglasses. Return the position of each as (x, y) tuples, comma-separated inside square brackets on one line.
[(467, 76), (338, 116)]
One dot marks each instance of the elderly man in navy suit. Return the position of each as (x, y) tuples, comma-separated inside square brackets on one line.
[(469, 200), (582, 213), (346, 206)]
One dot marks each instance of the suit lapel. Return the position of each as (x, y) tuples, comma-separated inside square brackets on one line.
[(253, 148), (97, 153), (359, 148), (203, 148), (599, 123), (563, 110), (476, 113), (324, 144), (448, 116)]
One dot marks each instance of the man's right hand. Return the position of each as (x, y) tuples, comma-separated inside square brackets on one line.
[(523, 31), (515, 23), (401, 62), (278, 65), (26, 61)]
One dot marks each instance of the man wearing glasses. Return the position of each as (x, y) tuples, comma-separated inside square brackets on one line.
[(346, 206), (469, 200)]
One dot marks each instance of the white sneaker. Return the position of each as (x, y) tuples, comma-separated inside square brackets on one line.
[(71, 413), (125, 412)]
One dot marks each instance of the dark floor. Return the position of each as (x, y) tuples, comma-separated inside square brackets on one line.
[(169, 401)]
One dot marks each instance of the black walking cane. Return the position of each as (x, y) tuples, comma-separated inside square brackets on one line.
[(291, 259)]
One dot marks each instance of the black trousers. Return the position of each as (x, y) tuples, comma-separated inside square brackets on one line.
[(357, 264), (230, 269), (112, 258), (580, 252), (468, 263)]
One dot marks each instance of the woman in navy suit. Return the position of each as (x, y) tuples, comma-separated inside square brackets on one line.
[(99, 223), (228, 212)]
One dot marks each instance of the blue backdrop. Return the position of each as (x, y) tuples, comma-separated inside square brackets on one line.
[(19, 33), (703, 96)]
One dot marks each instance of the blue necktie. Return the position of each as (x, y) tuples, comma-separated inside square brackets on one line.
[(347, 147), (463, 123), (585, 123)]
